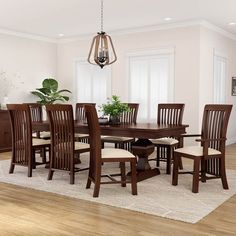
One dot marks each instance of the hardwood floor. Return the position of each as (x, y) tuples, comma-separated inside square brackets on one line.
[(26, 212)]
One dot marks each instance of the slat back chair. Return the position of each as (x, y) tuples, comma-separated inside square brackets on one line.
[(214, 128), (80, 112), (81, 118), (23, 147), (100, 156), (36, 114), (211, 154), (21, 136), (62, 139), (131, 116), (168, 114), (126, 117)]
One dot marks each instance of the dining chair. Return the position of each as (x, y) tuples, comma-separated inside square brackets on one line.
[(99, 156), (170, 114), (23, 145), (81, 118), (128, 117), (211, 154), (37, 116), (64, 148)]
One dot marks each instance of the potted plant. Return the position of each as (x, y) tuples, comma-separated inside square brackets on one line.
[(49, 92), (114, 108)]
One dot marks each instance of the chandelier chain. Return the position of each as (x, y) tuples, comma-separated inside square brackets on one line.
[(101, 15)]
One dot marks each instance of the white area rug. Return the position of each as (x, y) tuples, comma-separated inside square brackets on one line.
[(156, 196)]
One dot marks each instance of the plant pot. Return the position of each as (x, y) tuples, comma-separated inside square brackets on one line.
[(114, 120)]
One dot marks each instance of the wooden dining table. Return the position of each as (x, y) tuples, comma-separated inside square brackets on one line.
[(142, 131)]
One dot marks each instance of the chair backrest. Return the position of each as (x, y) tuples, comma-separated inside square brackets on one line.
[(62, 136), (131, 116), (21, 130), (170, 113), (80, 113), (95, 139), (35, 111), (215, 123), (36, 114), (214, 126)]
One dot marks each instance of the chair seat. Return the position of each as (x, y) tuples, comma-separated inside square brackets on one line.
[(81, 146), (45, 134), (165, 141), (196, 151), (40, 142), (116, 139), (116, 153), (77, 135)]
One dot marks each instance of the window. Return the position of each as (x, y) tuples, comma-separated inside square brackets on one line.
[(151, 81), (93, 84), (219, 80)]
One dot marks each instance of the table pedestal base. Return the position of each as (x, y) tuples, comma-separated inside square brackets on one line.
[(143, 148)]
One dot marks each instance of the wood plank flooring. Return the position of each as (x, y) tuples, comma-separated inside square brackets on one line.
[(26, 212)]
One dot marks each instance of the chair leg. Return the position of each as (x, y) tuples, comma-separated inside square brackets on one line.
[(180, 164), (158, 157), (29, 171), (175, 169), (223, 174), (97, 188), (123, 176), (72, 177), (168, 160), (88, 185), (133, 178), (195, 185), (50, 174), (43, 155), (12, 167), (203, 170)]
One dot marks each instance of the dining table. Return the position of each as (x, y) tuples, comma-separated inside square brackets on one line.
[(142, 132)]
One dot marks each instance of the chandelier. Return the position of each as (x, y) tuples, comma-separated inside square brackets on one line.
[(102, 51)]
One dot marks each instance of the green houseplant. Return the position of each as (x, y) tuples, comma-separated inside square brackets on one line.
[(114, 108), (49, 92)]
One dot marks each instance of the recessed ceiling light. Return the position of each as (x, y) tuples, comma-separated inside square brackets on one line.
[(60, 35), (167, 18), (232, 23)]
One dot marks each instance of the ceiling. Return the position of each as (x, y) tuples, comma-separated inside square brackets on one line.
[(49, 18)]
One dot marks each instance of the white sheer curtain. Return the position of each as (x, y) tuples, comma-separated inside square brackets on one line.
[(151, 81), (93, 84), (220, 76)]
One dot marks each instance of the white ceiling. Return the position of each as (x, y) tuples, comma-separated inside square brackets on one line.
[(49, 18)]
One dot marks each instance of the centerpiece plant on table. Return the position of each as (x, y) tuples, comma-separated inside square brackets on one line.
[(114, 108)]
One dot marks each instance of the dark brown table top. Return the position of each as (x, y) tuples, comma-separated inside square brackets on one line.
[(139, 130)]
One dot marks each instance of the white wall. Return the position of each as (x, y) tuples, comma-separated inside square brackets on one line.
[(24, 63), (187, 53), (210, 41)]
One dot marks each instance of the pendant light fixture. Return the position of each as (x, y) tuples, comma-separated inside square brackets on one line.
[(102, 51)]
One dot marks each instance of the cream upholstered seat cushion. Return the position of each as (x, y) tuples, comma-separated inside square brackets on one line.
[(40, 142), (116, 139), (116, 153), (77, 135), (196, 151), (45, 134), (81, 146), (165, 141)]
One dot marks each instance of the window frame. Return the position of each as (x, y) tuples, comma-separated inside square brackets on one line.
[(84, 61), (153, 53), (217, 53)]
